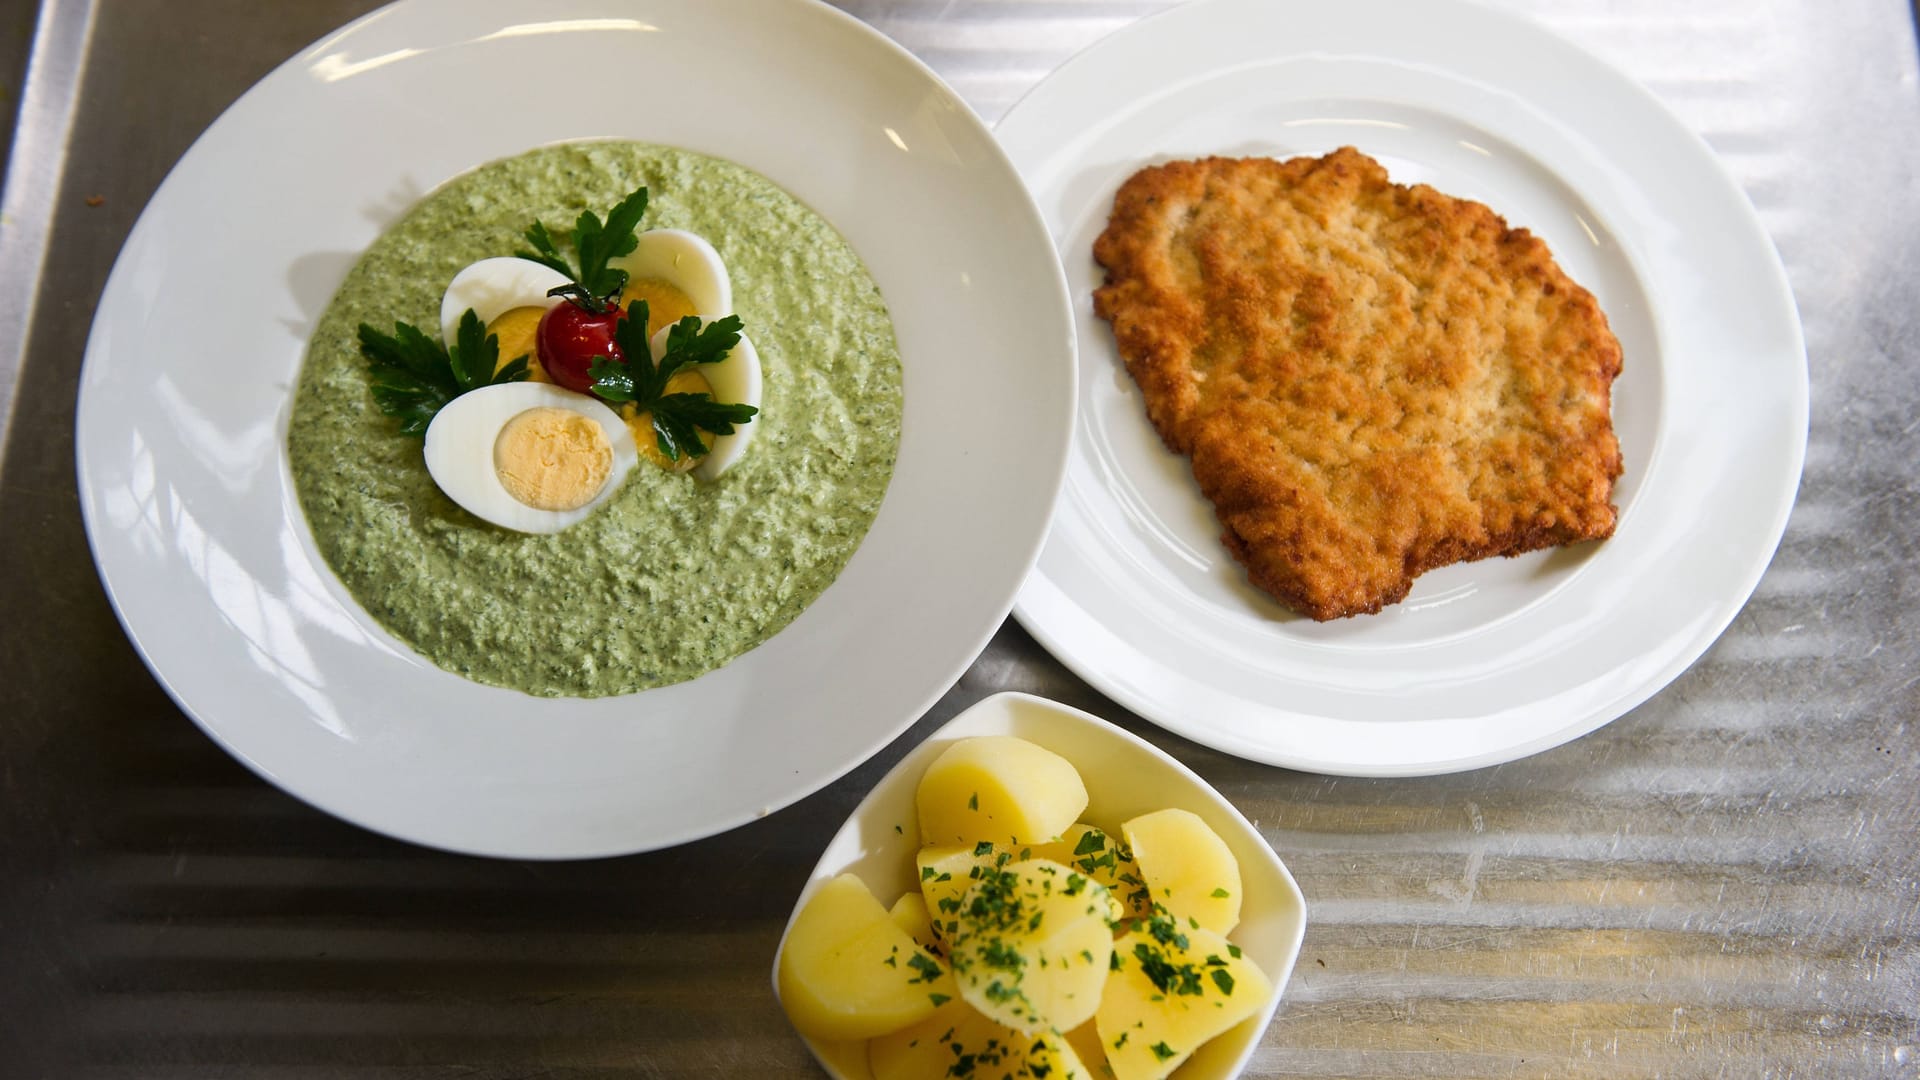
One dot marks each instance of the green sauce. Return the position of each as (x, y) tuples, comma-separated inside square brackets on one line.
[(671, 578)]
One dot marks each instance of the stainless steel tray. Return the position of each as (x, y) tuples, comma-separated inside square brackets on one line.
[(1725, 882)]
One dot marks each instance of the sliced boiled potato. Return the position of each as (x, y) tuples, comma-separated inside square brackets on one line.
[(946, 872), (1105, 859), (1092, 1053), (998, 789), (909, 913), (1031, 945), (848, 971), (1188, 869), (1172, 989), (958, 1041)]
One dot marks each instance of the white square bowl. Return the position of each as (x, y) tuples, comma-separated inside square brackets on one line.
[(1125, 777)]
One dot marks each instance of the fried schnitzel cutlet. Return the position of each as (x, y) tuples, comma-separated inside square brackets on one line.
[(1372, 380)]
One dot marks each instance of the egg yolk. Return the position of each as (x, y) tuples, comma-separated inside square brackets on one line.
[(552, 459), (641, 424), (517, 328), (666, 304)]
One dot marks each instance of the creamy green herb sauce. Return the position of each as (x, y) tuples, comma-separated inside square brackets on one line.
[(672, 577)]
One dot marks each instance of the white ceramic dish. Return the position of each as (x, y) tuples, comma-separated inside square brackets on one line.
[(204, 322), (1125, 777), (1488, 661)]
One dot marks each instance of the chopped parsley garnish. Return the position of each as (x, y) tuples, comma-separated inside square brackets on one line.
[(644, 384), (998, 954), (1223, 980), (939, 999), (1162, 1051), (1220, 894), (929, 971), (1164, 932), (415, 375), (594, 286), (1233, 950), (1093, 841), (984, 847), (973, 801), (1165, 975)]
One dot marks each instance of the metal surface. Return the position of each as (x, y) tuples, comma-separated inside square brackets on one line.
[(1725, 882)]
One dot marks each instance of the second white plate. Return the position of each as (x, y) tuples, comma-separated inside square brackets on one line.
[(1488, 661)]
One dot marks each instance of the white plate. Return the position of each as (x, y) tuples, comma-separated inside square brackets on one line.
[(189, 371), (1125, 777), (1488, 661)]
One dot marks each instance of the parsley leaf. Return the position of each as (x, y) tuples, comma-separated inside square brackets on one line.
[(414, 375), (595, 244), (929, 971), (677, 419)]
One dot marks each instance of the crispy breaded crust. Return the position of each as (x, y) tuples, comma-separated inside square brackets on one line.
[(1372, 380)]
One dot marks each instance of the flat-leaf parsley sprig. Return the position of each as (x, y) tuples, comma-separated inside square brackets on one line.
[(414, 375), (595, 286), (643, 383)]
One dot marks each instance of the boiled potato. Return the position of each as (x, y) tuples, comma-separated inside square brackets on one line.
[(848, 971), (909, 913), (1000, 790), (1188, 869), (947, 871), (1104, 859), (1172, 989), (1032, 946), (1092, 1053), (956, 1040)]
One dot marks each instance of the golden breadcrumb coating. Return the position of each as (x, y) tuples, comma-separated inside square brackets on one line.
[(1372, 380)]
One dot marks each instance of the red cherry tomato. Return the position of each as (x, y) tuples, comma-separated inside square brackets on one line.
[(570, 337)]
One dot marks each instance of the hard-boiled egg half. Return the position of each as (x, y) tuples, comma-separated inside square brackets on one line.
[(678, 274), (509, 296), (735, 379), (528, 456)]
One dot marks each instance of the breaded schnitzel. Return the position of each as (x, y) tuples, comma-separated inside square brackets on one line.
[(1372, 380)]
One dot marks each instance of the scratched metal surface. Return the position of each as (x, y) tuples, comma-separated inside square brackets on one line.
[(1726, 882)]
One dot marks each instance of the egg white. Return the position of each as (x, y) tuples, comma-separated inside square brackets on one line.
[(687, 262), (459, 452), (493, 287)]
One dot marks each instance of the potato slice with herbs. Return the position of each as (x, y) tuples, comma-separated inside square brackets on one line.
[(909, 913), (1032, 946), (998, 789), (1105, 859), (1172, 989), (1092, 1053), (848, 971), (957, 1041), (1188, 869), (948, 871)]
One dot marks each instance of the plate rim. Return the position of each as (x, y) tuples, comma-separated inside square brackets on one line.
[(1052, 448), (1085, 660)]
